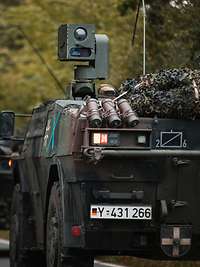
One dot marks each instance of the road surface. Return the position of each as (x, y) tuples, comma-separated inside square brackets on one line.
[(4, 245), (4, 250), (103, 264), (5, 263)]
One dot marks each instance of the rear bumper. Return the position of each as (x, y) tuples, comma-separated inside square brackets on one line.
[(145, 244), (120, 240), (94, 152)]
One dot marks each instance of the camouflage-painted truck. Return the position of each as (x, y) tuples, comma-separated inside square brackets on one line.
[(94, 179)]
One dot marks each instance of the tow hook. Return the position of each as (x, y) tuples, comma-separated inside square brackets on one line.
[(94, 155), (176, 240)]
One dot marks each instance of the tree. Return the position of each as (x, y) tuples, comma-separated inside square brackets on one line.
[(172, 32), (21, 70)]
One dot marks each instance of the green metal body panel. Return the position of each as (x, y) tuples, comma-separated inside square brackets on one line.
[(166, 170)]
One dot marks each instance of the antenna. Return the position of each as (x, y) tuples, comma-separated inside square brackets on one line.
[(144, 36)]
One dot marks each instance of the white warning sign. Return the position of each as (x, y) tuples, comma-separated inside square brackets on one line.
[(171, 139)]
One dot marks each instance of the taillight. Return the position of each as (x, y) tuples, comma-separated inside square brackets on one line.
[(100, 138), (106, 139), (120, 138)]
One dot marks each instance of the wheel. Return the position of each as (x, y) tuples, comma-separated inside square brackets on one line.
[(54, 240), (17, 258)]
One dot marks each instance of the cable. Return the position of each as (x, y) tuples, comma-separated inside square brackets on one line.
[(41, 59), (144, 31), (136, 22), (39, 56)]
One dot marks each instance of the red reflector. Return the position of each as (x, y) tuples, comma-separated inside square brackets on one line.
[(76, 231)]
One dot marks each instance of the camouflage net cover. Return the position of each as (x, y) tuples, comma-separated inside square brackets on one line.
[(172, 93)]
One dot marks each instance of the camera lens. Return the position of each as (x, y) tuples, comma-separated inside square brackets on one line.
[(80, 34)]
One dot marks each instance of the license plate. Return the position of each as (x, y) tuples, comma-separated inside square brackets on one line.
[(121, 212)]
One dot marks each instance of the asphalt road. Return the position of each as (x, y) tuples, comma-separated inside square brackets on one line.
[(4, 262), (103, 264), (4, 245), (4, 250)]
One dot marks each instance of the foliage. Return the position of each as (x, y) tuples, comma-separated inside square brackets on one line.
[(24, 80), (173, 32), (4, 234), (173, 38)]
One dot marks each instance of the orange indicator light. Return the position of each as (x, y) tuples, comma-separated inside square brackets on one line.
[(10, 163)]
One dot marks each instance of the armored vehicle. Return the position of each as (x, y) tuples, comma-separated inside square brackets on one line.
[(6, 182), (94, 179), (8, 148), (6, 179)]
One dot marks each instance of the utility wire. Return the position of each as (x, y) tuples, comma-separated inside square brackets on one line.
[(36, 51), (136, 22), (45, 10), (144, 31), (42, 59)]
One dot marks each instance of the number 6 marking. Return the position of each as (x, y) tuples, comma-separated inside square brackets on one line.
[(185, 143)]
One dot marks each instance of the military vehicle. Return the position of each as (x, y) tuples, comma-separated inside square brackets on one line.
[(94, 179), (6, 182), (8, 148)]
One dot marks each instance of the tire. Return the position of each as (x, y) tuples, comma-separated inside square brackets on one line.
[(54, 240), (17, 257)]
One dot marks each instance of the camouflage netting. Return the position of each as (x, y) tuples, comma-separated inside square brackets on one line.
[(173, 93)]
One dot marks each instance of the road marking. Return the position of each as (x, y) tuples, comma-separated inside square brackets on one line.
[(4, 242), (108, 264), (4, 245)]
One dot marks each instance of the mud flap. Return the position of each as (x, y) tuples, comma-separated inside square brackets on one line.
[(176, 240)]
